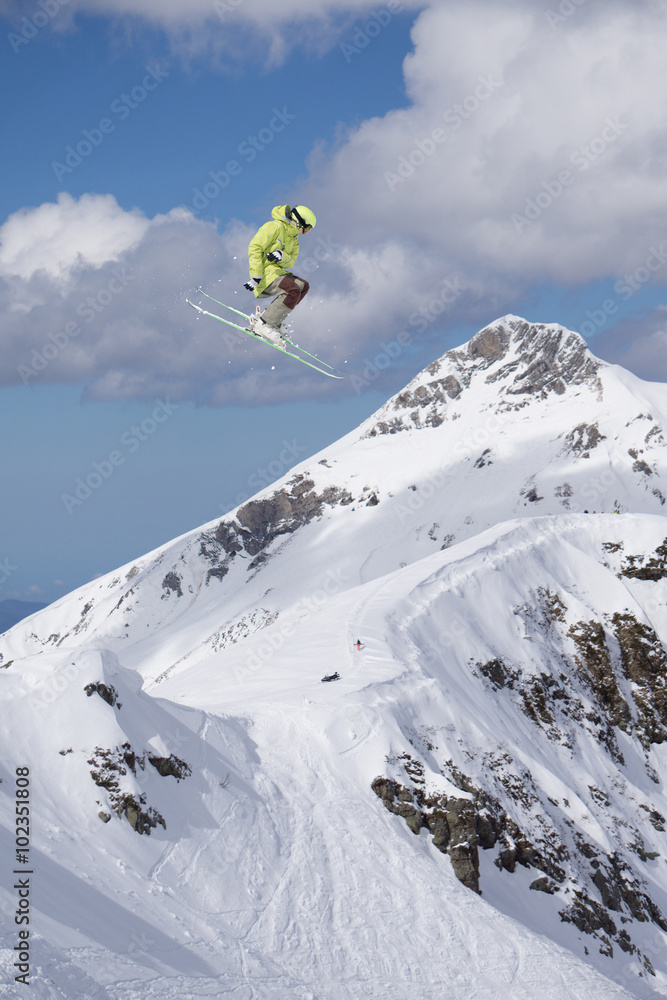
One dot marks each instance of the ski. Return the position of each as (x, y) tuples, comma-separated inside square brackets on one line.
[(239, 313), (283, 350)]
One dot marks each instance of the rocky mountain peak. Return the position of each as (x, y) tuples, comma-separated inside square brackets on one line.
[(537, 355), (523, 362)]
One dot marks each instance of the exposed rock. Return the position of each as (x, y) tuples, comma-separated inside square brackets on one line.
[(588, 915), (259, 522), (461, 825), (218, 573), (490, 344), (456, 824), (655, 818), (529, 491), (642, 568), (172, 583), (602, 883), (515, 849), (451, 386), (645, 663), (109, 766), (484, 459), (594, 660), (240, 628), (564, 491), (399, 800), (544, 884), (438, 825), (171, 765), (583, 439), (499, 675), (539, 360), (463, 841), (107, 692), (141, 819)]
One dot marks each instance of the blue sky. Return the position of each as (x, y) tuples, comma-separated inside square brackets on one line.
[(465, 160)]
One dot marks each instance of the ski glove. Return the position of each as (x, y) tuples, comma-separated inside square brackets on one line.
[(252, 284), (275, 256)]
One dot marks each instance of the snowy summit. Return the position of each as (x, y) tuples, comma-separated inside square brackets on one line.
[(394, 727)]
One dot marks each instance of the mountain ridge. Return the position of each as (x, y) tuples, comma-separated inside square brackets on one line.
[(582, 464)]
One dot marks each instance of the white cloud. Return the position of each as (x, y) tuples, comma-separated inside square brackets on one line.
[(60, 239), (532, 151), (261, 13), (233, 29), (639, 345), (91, 294), (529, 150)]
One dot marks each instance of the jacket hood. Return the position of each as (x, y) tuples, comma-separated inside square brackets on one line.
[(281, 213)]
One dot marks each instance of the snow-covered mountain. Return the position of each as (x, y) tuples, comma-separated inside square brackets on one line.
[(472, 807)]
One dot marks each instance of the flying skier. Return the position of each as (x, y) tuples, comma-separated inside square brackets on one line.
[(272, 253)]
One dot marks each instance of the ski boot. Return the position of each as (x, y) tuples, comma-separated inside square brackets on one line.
[(271, 334), (268, 333)]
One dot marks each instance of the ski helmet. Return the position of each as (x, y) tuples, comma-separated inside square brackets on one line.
[(305, 218)]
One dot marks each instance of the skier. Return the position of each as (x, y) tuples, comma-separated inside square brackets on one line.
[(272, 253)]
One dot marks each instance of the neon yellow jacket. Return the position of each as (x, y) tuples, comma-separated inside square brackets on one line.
[(279, 234)]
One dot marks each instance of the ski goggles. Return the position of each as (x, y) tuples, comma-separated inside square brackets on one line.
[(305, 226)]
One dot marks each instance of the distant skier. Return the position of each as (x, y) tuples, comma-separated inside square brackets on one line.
[(272, 253)]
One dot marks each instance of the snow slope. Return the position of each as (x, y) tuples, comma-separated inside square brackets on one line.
[(447, 534)]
